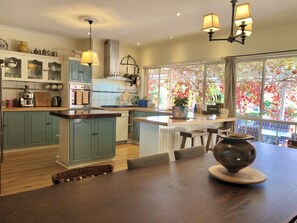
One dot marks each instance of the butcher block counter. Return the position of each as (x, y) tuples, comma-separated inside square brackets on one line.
[(162, 133), (86, 137), (21, 109)]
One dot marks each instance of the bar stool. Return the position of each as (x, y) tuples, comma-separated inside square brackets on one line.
[(192, 135), (218, 131)]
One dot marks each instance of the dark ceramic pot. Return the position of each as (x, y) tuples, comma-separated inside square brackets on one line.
[(235, 152)]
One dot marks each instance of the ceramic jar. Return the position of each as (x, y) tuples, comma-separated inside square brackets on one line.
[(180, 112), (23, 46), (235, 152)]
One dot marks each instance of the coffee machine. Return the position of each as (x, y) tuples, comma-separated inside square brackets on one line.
[(27, 99)]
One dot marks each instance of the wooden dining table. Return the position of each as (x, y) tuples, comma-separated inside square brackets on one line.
[(182, 191)]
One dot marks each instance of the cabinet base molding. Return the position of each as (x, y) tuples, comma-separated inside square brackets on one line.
[(94, 162)]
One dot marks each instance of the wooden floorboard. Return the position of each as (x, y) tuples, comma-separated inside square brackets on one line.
[(31, 169)]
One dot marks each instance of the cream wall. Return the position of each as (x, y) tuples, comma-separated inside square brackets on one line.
[(198, 48)]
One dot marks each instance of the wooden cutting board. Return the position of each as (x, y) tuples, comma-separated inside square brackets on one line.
[(42, 99)]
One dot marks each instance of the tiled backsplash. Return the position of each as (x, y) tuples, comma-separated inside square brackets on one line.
[(107, 91), (13, 89)]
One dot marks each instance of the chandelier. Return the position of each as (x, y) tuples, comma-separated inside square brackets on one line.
[(241, 18), (89, 57)]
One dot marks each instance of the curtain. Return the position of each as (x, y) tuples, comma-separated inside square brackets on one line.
[(230, 85)]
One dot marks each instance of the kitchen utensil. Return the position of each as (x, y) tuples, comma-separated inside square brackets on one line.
[(56, 101)]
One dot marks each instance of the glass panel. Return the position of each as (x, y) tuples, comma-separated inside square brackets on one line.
[(13, 67), (187, 81), (54, 71), (248, 88), (153, 86), (214, 88), (250, 127), (280, 100), (35, 69)]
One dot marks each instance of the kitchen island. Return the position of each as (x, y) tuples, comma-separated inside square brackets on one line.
[(161, 133), (86, 136)]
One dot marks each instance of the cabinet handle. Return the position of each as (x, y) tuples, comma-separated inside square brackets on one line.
[(94, 134), (4, 126), (48, 123)]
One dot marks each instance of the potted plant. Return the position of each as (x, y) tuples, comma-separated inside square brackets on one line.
[(180, 108)]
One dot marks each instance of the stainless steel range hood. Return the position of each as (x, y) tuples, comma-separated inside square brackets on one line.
[(111, 58)]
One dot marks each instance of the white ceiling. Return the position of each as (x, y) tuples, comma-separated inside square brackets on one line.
[(135, 21)]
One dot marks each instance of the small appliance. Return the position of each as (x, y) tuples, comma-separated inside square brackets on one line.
[(27, 99), (56, 101)]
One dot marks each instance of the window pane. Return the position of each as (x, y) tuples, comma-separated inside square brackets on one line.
[(280, 100), (153, 85), (248, 88), (187, 80), (214, 88)]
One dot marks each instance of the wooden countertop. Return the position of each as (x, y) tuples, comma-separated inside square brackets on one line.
[(19, 109), (82, 114), (194, 120), (153, 110)]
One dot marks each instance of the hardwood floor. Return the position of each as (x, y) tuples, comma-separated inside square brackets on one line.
[(32, 169)]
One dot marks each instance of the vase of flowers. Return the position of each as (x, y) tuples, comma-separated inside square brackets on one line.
[(180, 108)]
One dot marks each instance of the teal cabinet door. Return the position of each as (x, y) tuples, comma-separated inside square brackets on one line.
[(74, 72), (15, 131), (37, 128), (79, 73), (105, 129), (53, 129), (81, 140), (86, 74)]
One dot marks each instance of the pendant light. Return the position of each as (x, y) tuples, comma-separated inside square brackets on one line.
[(241, 18), (89, 57)]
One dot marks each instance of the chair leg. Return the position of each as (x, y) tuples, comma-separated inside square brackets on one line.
[(217, 138), (202, 143), (208, 141), (183, 142)]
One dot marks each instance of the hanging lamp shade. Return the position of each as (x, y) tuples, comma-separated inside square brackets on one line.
[(211, 23), (243, 15), (247, 31), (89, 57)]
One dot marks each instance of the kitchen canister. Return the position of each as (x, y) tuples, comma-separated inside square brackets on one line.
[(23, 46)]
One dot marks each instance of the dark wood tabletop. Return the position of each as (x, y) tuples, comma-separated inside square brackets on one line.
[(180, 192), (82, 114)]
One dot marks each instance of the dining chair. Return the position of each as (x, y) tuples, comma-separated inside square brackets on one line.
[(190, 152), (146, 161), (81, 173)]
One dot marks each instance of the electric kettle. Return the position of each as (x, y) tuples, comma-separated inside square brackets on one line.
[(56, 101)]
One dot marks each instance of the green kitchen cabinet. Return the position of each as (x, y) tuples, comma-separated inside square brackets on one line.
[(28, 129), (105, 140), (136, 125), (15, 129), (79, 73), (91, 139), (37, 128), (53, 129)]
